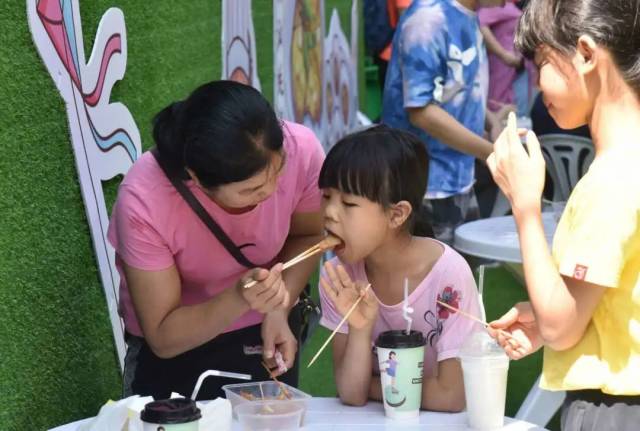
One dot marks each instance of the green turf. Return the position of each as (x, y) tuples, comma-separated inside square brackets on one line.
[(58, 361)]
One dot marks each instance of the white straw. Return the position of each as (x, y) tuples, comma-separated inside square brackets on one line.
[(483, 313), (406, 310), (217, 373)]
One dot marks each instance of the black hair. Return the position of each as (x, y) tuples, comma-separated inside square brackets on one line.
[(224, 132), (558, 24), (384, 165)]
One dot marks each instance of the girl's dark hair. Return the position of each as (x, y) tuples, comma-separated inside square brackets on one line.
[(384, 165), (224, 132), (614, 24)]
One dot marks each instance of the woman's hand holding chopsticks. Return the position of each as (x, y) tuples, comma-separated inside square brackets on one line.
[(268, 293)]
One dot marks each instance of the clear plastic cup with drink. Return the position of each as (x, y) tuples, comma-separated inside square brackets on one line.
[(485, 366)]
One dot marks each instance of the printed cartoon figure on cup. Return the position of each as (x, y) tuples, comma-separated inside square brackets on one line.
[(392, 363)]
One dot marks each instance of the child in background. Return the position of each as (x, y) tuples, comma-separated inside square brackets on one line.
[(584, 294), (511, 77), (436, 87), (373, 183)]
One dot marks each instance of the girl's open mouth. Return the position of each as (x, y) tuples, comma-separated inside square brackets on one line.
[(340, 245)]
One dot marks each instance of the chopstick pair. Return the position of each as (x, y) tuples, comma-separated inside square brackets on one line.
[(275, 379), (324, 245), (474, 318), (344, 319)]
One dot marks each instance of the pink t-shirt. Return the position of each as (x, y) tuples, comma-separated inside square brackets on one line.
[(153, 228), (503, 22), (451, 281)]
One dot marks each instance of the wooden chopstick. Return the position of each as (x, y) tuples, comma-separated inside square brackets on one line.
[(282, 387), (293, 261), (472, 317), (344, 319)]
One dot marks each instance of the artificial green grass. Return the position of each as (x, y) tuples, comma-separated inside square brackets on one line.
[(58, 358), (501, 291)]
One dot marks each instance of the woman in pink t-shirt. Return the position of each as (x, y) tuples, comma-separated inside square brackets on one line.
[(373, 185), (181, 294)]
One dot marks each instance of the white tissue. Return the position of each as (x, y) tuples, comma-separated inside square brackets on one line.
[(123, 415), (216, 415)]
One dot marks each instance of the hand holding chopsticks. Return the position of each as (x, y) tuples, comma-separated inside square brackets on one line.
[(476, 319), (326, 244)]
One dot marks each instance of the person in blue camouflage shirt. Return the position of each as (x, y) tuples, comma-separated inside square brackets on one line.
[(436, 87)]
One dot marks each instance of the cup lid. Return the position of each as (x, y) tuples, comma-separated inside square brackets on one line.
[(172, 411), (479, 344), (399, 339)]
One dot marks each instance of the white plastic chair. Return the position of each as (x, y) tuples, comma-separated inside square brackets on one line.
[(540, 405), (568, 157)]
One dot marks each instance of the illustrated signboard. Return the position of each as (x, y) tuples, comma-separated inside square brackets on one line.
[(104, 136), (315, 76), (239, 56)]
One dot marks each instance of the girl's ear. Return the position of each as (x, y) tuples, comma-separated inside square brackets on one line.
[(586, 57), (399, 213)]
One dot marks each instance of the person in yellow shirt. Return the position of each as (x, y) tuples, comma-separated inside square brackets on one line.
[(584, 295)]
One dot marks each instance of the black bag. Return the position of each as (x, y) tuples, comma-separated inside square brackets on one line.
[(309, 312)]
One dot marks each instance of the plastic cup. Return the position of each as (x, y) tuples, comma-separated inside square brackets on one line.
[(176, 414), (485, 367), (401, 360)]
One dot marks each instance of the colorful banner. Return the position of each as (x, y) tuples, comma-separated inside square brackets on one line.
[(239, 56), (104, 136)]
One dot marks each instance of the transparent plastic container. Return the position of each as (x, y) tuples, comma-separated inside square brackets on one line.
[(257, 392), (269, 415)]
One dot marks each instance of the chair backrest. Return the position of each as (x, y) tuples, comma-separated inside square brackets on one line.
[(568, 157)]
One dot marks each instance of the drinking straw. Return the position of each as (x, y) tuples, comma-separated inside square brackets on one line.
[(483, 312), (217, 373), (406, 310)]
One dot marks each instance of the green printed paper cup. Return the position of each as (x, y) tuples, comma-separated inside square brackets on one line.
[(401, 360)]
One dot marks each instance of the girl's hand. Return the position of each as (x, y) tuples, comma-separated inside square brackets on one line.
[(521, 323), (343, 292), (269, 294), (519, 175), (277, 337)]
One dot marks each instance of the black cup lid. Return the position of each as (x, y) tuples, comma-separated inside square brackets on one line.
[(399, 339), (168, 412)]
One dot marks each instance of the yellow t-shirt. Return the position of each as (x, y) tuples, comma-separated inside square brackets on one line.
[(598, 240)]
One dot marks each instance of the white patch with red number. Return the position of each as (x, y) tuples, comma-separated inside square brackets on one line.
[(580, 272)]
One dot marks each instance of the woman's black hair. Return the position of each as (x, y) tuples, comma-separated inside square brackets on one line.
[(384, 165), (558, 24), (224, 132)]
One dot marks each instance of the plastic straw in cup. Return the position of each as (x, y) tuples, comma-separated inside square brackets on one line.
[(483, 312), (406, 310), (217, 373)]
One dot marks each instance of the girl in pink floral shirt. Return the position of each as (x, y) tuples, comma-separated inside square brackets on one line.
[(373, 183)]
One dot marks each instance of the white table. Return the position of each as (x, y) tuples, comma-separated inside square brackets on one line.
[(328, 414), (496, 238)]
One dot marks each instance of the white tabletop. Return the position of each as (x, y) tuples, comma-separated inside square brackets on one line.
[(496, 238), (328, 414)]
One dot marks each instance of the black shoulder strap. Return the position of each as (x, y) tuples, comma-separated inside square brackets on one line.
[(197, 207)]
